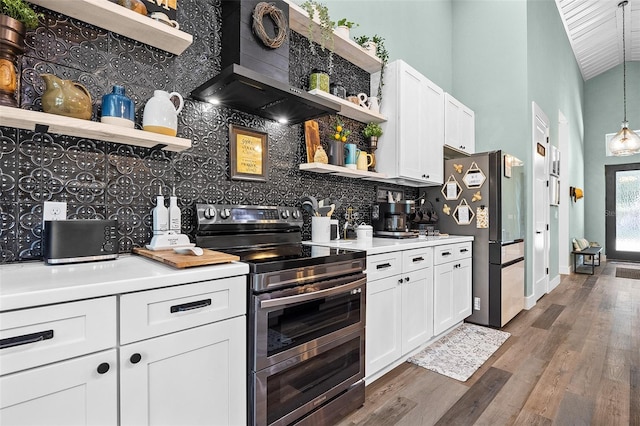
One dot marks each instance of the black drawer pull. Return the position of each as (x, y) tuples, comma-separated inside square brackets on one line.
[(191, 305), (383, 265), (464, 250), (25, 339), (446, 253), (418, 259)]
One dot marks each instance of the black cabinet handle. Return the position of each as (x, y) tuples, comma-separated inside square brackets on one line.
[(406, 279), (103, 368), (418, 259), (383, 265), (446, 253), (135, 358), (400, 281), (191, 305), (464, 250), (25, 339)]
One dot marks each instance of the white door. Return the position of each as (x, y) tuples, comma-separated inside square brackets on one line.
[(540, 202), (417, 305), (192, 377), (443, 315)]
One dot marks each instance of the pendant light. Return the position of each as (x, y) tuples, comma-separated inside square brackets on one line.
[(625, 142)]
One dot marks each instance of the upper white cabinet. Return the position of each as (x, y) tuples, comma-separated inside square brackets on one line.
[(410, 151), (459, 125)]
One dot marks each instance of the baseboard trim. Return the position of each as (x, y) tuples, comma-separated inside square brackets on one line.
[(565, 270), (554, 283), (529, 302)]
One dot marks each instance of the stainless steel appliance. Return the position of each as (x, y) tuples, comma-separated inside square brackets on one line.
[(498, 246), (306, 314), (391, 220)]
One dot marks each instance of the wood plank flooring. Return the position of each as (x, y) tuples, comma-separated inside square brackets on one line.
[(573, 359)]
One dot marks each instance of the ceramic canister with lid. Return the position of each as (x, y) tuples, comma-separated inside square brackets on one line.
[(364, 232), (118, 109)]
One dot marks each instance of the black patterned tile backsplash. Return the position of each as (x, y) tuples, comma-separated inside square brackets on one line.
[(104, 180)]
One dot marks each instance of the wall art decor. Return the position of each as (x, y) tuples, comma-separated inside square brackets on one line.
[(451, 189), (458, 168), (463, 214), (249, 154), (482, 217), (474, 178)]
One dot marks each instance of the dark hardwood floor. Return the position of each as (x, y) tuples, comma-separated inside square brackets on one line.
[(573, 359)]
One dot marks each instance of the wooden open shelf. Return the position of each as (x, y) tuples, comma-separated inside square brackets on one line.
[(118, 19), (351, 110), (26, 119), (348, 49), (341, 171)]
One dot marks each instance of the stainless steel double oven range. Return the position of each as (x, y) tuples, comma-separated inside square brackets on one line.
[(306, 318)]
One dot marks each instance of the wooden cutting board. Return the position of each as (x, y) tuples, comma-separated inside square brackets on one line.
[(170, 257), (312, 138)]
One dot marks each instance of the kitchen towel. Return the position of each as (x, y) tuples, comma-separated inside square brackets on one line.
[(461, 352)]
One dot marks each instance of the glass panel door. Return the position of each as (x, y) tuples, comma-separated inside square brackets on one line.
[(623, 210)]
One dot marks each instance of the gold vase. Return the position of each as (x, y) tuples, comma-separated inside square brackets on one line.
[(12, 34)]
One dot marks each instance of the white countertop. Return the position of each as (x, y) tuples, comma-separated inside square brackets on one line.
[(387, 245), (30, 284)]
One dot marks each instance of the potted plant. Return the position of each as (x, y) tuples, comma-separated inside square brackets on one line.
[(319, 13), (338, 138), (16, 17), (377, 43), (343, 27), (372, 131)]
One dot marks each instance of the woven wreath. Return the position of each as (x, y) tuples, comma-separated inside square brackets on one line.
[(262, 9)]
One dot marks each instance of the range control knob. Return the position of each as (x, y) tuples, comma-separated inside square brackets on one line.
[(296, 214), (285, 214), (210, 213), (225, 213)]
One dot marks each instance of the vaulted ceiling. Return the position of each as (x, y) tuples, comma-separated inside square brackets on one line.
[(594, 28)]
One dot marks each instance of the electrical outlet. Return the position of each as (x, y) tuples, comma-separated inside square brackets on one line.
[(476, 303), (53, 210)]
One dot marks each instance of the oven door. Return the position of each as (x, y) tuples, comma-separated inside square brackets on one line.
[(285, 392), (290, 322)]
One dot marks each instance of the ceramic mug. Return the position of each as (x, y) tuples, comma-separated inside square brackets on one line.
[(161, 17), (363, 160), (350, 155)]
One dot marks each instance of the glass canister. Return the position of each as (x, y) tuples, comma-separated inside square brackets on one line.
[(319, 80), (338, 90)]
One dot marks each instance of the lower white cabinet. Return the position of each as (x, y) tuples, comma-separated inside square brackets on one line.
[(79, 391), (180, 359), (192, 377), (399, 306), (452, 285)]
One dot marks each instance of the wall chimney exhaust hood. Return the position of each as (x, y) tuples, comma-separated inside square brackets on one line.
[(243, 89)]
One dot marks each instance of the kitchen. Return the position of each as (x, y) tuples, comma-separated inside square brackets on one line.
[(99, 179)]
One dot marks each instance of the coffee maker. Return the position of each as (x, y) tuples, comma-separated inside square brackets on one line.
[(391, 220)]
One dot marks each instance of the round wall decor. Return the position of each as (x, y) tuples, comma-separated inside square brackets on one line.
[(264, 8)]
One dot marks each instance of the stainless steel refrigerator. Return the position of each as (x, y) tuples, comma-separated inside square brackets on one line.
[(483, 195)]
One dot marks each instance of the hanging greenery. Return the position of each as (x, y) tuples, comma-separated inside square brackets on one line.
[(326, 29), (381, 53)]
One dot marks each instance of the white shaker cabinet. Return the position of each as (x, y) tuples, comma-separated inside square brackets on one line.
[(399, 307), (459, 125), (452, 285), (410, 151)]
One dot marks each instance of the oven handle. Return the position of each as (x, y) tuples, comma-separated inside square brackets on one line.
[(272, 303)]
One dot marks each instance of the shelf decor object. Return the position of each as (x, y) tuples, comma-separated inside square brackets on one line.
[(299, 21), (43, 122), (351, 110), (113, 17), (626, 141)]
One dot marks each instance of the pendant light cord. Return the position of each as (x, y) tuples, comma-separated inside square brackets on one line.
[(624, 63)]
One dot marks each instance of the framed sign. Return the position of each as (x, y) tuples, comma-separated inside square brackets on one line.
[(451, 189), (474, 178), (248, 153), (463, 214)]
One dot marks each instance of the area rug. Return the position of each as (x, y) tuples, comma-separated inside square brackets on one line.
[(461, 352), (628, 273)]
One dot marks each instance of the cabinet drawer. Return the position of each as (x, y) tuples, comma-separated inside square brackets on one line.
[(412, 260), (383, 265), (444, 254), (462, 250), (156, 312), (37, 336)]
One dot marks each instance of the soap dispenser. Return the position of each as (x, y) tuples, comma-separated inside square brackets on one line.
[(160, 215), (174, 213)]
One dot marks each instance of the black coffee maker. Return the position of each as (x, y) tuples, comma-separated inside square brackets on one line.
[(391, 220)]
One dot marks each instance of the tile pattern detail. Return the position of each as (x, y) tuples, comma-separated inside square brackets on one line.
[(101, 180)]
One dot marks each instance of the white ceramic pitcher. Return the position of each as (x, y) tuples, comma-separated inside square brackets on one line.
[(160, 114)]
